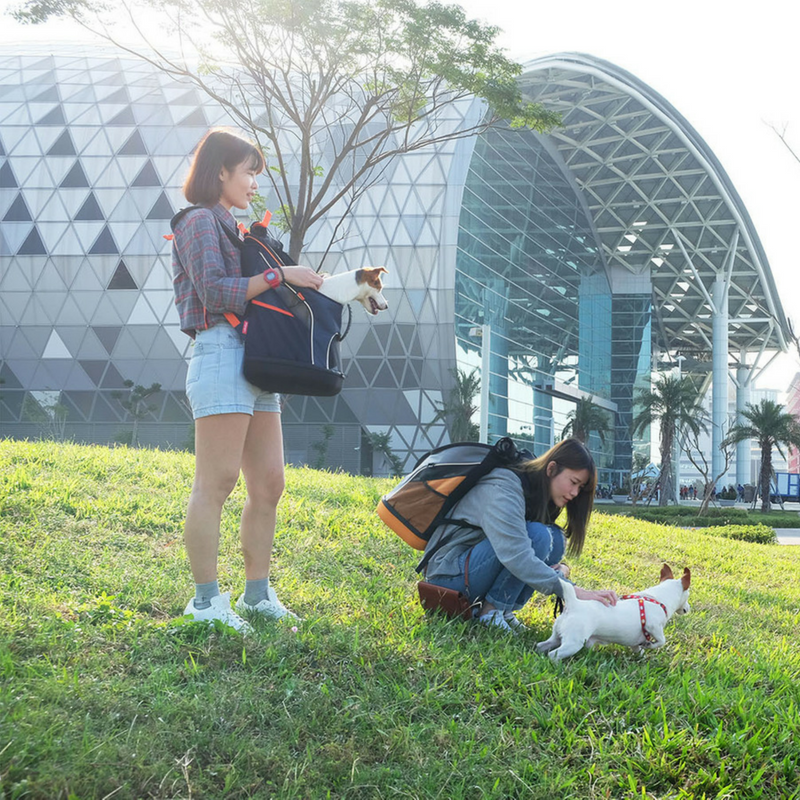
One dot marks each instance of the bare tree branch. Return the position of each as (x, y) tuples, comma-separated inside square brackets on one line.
[(338, 88), (689, 443), (781, 134)]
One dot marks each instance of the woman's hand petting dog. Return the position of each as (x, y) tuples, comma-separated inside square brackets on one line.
[(302, 276), (604, 596)]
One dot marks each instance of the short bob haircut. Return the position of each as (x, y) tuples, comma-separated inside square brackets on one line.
[(219, 148), (567, 454)]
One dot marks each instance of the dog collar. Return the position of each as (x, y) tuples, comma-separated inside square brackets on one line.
[(641, 598)]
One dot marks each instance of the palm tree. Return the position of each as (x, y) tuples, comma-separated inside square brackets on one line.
[(460, 407), (585, 418), (771, 426), (136, 404), (675, 404), (382, 443)]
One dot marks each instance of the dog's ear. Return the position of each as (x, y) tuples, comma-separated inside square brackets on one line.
[(666, 573), (686, 578), (374, 276)]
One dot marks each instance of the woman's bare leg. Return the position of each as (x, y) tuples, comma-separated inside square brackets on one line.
[(262, 466), (219, 443)]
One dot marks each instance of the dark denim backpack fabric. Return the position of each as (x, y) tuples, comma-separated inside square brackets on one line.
[(291, 335)]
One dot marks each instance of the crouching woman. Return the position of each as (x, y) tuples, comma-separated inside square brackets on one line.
[(505, 545)]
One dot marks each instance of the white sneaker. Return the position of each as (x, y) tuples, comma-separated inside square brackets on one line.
[(269, 607), (220, 609), (495, 619), (513, 622)]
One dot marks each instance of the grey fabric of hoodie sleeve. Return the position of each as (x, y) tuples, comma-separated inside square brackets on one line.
[(496, 505)]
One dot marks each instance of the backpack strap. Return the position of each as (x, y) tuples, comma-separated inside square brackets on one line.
[(527, 491), (504, 453), (232, 319), (459, 525), (180, 215), (232, 235), (349, 323)]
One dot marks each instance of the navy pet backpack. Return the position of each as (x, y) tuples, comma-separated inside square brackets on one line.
[(291, 335)]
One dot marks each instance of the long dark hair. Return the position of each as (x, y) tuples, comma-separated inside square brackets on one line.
[(567, 454), (219, 148)]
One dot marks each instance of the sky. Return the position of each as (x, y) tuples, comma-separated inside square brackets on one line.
[(730, 71)]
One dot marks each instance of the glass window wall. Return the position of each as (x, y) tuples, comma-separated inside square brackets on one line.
[(530, 285)]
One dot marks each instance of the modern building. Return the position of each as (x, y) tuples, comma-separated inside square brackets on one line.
[(558, 266), (690, 475)]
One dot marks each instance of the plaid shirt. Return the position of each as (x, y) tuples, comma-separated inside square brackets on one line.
[(206, 270)]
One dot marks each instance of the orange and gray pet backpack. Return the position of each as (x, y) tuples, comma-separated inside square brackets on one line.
[(421, 502)]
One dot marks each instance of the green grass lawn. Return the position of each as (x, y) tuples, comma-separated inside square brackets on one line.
[(104, 693)]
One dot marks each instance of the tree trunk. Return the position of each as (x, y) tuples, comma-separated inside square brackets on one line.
[(297, 236), (707, 488), (764, 477), (666, 468)]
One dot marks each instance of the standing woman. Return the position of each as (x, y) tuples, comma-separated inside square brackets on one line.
[(237, 426), (510, 546)]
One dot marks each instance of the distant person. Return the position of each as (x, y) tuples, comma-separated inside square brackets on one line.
[(237, 426), (499, 558)]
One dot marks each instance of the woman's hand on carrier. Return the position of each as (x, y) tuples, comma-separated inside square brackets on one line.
[(302, 276)]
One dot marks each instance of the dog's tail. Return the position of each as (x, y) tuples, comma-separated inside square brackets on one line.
[(569, 596)]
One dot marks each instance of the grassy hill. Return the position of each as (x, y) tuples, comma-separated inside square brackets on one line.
[(105, 693)]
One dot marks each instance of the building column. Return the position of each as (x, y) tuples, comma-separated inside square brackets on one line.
[(719, 385), (486, 368), (494, 362), (543, 427), (743, 448), (676, 456)]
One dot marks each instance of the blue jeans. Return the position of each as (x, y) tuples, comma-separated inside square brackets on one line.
[(490, 580)]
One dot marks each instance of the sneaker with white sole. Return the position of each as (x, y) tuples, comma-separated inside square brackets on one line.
[(513, 622), (220, 609), (269, 607), (495, 619)]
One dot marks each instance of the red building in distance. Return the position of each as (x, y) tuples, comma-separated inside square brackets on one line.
[(793, 407)]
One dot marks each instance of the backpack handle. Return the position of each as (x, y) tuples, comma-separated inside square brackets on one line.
[(349, 323)]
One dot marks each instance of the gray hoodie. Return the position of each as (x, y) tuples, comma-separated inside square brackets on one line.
[(496, 505)]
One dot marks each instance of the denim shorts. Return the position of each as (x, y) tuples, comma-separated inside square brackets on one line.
[(215, 382)]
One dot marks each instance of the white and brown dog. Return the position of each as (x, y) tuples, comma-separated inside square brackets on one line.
[(363, 284), (637, 620)]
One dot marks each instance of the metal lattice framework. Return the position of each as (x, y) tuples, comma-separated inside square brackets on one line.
[(662, 204)]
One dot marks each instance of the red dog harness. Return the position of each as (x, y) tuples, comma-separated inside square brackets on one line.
[(641, 598)]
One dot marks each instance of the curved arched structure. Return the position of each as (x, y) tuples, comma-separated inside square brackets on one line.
[(661, 202), (664, 207)]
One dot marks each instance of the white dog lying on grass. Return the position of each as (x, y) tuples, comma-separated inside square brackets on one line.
[(637, 620)]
